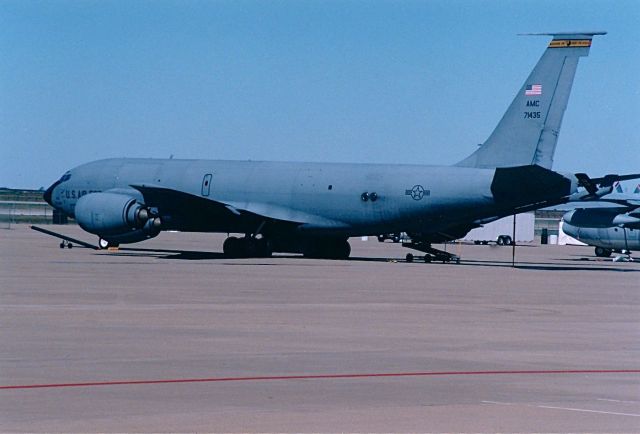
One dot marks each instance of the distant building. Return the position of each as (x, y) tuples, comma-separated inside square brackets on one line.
[(26, 206)]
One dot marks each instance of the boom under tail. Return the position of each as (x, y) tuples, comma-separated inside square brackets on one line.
[(528, 132)]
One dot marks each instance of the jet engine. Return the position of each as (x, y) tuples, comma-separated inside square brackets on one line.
[(117, 218), (602, 218)]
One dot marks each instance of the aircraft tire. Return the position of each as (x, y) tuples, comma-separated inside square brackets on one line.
[(601, 252), (343, 249), (231, 247), (409, 257), (62, 245), (263, 248), (104, 244), (334, 248)]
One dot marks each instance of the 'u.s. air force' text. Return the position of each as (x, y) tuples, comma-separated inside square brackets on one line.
[(76, 194)]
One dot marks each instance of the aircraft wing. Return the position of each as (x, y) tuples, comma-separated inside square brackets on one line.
[(175, 202), (629, 203)]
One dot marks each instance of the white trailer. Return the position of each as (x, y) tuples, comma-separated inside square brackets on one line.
[(501, 231)]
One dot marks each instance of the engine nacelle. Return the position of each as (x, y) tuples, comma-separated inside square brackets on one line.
[(113, 215), (600, 218), (134, 236)]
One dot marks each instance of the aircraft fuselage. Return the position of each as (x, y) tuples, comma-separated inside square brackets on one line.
[(336, 198)]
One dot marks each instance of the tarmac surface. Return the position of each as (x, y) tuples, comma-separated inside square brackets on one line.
[(169, 336)]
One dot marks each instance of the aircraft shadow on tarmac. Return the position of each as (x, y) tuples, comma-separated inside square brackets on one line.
[(550, 266), (195, 255), (169, 254)]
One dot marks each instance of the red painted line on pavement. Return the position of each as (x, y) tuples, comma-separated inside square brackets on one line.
[(320, 377)]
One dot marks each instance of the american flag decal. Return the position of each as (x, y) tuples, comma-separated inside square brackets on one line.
[(533, 89)]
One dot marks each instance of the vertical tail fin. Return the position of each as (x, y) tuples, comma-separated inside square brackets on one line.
[(528, 132)]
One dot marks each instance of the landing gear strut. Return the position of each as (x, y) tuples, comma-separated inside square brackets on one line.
[(431, 253)]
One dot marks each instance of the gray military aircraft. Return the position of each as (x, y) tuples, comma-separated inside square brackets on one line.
[(611, 225), (312, 208)]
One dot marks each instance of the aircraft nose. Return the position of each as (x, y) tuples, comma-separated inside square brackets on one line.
[(570, 230), (49, 193), (568, 216)]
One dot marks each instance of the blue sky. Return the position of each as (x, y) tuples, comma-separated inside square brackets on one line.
[(385, 82)]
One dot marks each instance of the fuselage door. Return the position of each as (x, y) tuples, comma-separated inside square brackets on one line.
[(206, 184)]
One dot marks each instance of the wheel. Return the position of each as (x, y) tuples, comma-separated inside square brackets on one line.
[(409, 257), (396, 239), (264, 248), (248, 248), (427, 259), (477, 243), (342, 249), (601, 252), (381, 238), (69, 246), (500, 241), (332, 248), (507, 240), (231, 247), (62, 245)]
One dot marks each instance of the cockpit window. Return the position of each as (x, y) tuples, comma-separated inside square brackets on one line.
[(65, 177)]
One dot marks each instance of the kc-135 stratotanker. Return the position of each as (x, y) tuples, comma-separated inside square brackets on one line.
[(313, 208)]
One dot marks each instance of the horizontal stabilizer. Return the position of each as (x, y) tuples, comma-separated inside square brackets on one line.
[(598, 187), (568, 35)]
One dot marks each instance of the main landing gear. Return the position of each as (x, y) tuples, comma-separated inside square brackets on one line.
[(313, 247), (601, 252), (327, 248), (431, 253), (247, 247)]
